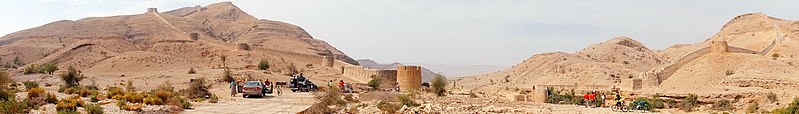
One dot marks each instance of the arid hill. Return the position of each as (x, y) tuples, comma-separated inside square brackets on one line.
[(186, 37), (759, 57)]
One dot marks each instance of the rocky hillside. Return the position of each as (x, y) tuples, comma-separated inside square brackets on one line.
[(762, 55), (186, 37)]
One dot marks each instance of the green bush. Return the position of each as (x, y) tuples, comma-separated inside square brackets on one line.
[(93, 109), (72, 77), (30, 84), (407, 100), (689, 103), (753, 108), (723, 105), (129, 87), (772, 97), (438, 85), (375, 82), (562, 98), (263, 65), (185, 104), (72, 90), (48, 68), (13, 107), (30, 69), (792, 108), (122, 104)]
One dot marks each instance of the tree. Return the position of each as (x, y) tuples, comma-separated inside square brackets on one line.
[(48, 68), (438, 85), (375, 82), (263, 65), (72, 77)]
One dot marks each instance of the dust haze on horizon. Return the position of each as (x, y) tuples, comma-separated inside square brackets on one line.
[(463, 32)]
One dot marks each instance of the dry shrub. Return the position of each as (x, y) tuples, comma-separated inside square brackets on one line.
[(438, 85), (214, 99), (84, 92), (191, 71), (36, 92), (162, 94), (13, 107), (263, 65), (51, 98), (93, 109), (133, 97), (772, 97), (67, 104), (114, 91), (689, 103), (388, 107), (197, 88), (30, 84), (152, 100), (753, 108), (723, 105), (72, 77), (407, 100)]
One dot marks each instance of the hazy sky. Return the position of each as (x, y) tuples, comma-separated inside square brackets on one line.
[(477, 32)]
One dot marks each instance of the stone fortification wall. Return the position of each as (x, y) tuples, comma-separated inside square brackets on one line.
[(317, 60), (409, 77), (363, 75)]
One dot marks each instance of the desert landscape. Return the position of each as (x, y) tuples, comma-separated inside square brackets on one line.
[(190, 60)]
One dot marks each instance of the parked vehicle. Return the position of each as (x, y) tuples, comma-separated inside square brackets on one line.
[(301, 84), (253, 88)]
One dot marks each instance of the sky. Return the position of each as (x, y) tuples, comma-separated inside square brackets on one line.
[(454, 32)]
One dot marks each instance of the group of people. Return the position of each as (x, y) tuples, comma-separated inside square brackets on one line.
[(591, 100)]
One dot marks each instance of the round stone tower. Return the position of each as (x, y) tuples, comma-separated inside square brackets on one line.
[(718, 46), (409, 77)]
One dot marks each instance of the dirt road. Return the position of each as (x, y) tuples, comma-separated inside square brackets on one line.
[(287, 103)]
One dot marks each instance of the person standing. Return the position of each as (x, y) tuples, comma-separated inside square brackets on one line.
[(233, 88), (341, 85)]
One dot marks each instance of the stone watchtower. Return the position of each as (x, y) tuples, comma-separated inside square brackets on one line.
[(409, 77), (152, 10), (718, 46), (329, 60)]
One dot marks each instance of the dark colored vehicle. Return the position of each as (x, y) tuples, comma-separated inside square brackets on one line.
[(302, 84), (253, 88)]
